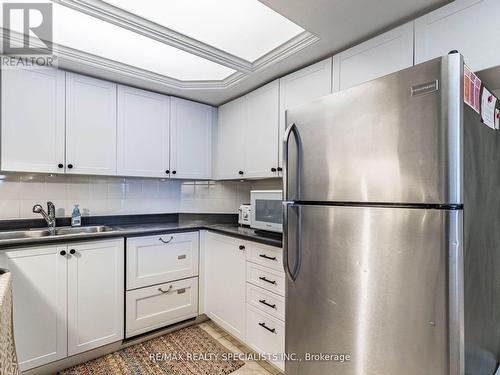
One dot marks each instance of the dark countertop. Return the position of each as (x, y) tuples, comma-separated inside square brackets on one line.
[(247, 234), (182, 223)]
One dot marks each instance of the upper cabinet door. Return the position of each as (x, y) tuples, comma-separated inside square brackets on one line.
[(90, 125), (377, 57), (143, 133), (230, 156), (469, 26), (191, 130), (262, 131), (95, 294), (32, 138), (300, 87)]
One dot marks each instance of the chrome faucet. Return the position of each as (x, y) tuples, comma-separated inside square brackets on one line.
[(49, 216)]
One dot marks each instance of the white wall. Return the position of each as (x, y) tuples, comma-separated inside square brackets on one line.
[(118, 196)]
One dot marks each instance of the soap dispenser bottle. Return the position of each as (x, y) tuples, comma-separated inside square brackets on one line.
[(76, 217)]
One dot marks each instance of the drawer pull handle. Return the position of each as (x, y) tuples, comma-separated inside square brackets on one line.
[(168, 241), (180, 291), (263, 325), (263, 278), (267, 257), (264, 302), (183, 256), (165, 291)]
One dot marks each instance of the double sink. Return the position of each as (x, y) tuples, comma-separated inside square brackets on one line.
[(61, 231)]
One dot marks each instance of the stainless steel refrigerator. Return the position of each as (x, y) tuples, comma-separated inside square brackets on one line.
[(392, 229)]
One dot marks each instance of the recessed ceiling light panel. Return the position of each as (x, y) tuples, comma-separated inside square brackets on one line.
[(245, 28)]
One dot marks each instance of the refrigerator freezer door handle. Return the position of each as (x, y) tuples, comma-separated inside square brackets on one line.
[(292, 274), (291, 129)]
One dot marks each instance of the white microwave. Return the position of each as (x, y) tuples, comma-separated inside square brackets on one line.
[(267, 210)]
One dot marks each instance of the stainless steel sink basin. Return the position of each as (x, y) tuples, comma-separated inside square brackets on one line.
[(76, 230), (61, 231)]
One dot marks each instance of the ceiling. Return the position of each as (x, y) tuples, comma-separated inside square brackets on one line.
[(214, 50)]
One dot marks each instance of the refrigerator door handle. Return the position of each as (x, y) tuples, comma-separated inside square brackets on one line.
[(292, 274), (291, 129)]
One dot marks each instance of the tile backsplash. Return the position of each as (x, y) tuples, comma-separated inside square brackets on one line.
[(119, 196)]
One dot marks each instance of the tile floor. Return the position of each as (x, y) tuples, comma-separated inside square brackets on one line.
[(231, 343)]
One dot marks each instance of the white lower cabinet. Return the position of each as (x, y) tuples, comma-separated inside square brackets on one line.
[(266, 278), (269, 256), (65, 301), (160, 305), (39, 282), (265, 334), (161, 258), (265, 296), (162, 281), (224, 282), (95, 294), (266, 301), (244, 292)]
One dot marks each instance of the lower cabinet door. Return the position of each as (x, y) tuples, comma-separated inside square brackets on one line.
[(95, 294), (39, 286), (266, 334), (160, 305), (224, 282)]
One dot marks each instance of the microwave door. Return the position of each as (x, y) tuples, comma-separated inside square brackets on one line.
[(267, 212)]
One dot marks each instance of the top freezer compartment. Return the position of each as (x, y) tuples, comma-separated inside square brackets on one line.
[(396, 139)]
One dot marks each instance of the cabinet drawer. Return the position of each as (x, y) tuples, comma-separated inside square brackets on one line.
[(265, 334), (160, 305), (162, 258), (265, 255), (266, 301), (266, 278)]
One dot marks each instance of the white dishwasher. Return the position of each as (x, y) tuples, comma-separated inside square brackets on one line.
[(161, 281)]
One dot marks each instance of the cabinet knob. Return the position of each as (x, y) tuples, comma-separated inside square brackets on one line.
[(70, 166), (240, 172), (63, 252), (167, 171), (242, 247), (174, 172), (72, 251), (273, 169), (280, 169), (60, 165)]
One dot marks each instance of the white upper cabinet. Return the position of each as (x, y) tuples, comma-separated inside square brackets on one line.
[(90, 125), (142, 133), (469, 26), (262, 131), (231, 125), (386, 53), (32, 120), (300, 87), (191, 131), (95, 294)]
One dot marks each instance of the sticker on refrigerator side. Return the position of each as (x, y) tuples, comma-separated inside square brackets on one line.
[(472, 89), (488, 106)]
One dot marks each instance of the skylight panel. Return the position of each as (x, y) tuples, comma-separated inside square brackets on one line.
[(244, 28), (91, 35)]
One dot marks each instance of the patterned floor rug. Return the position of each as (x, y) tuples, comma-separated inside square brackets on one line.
[(189, 351)]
